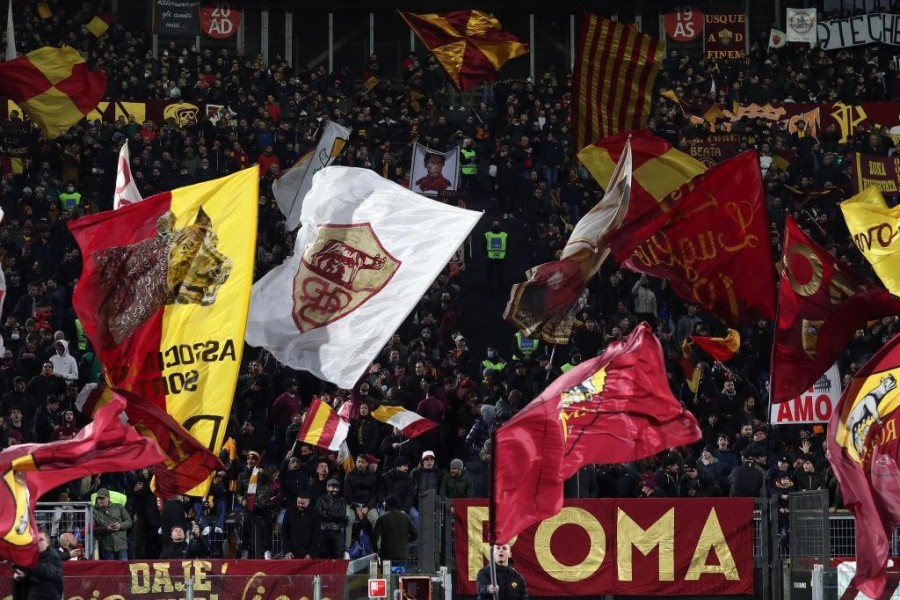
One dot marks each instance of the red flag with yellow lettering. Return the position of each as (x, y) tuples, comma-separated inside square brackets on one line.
[(716, 232), (612, 409), (163, 298), (28, 471), (821, 304)]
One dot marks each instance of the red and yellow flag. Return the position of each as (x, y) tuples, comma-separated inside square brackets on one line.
[(612, 409), (820, 306), (863, 451), (615, 69), (28, 471), (470, 45), (658, 169), (53, 86), (721, 349), (322, 427), (716, 233), (100, 24), (163, 298)]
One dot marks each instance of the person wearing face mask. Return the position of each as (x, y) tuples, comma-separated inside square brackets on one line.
[(496, 256), (574, 361), (70, 199), (494, 361)]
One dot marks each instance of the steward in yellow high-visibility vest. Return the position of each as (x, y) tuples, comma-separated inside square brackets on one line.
[(496, 254)]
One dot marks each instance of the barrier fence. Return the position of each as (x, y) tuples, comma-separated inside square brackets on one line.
[(798, 561)]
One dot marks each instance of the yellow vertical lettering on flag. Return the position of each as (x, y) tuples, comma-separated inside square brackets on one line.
[(203, 338), (875, 230)]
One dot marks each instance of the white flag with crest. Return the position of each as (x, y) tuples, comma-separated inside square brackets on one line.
[(126, 191)]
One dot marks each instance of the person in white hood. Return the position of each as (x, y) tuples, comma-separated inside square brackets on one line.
[(64, 364)]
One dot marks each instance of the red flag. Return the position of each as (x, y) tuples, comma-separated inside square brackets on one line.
[(470, 45), (721, 349), (615, 69), (821, 304), (717, 233), (28, 471), (611, 409), (863, 450)]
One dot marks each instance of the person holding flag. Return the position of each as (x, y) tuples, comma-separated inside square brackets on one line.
[(499, 580)]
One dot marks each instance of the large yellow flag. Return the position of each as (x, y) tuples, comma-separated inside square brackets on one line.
[(163, 297), (876, 232)]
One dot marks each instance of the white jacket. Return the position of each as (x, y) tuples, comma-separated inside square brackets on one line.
[(64, 364)]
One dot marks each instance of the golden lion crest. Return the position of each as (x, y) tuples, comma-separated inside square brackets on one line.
[(178, 266)]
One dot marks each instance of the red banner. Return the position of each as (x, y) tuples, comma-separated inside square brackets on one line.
[(213, 579), (879, 171), (621, 546), (723, 35)]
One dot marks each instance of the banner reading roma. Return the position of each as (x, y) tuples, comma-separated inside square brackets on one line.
[(213, 579), (163, 297), (658, 547), (881, 172)]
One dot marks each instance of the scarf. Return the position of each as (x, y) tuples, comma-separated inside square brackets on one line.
[(251, 488)]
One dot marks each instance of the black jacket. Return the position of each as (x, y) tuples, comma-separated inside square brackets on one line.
[(511, 584), (301, 532), (45, 581), (361, 487), (400, 484), (196, 548)]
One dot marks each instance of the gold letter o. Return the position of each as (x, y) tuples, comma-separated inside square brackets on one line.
[(570, 516)]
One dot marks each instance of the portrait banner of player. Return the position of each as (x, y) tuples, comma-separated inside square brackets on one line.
[(433, 172)]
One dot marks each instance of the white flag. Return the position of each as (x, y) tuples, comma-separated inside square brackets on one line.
[(777, 38), (292, 186), (10, 35), (369, 248), (126, 191), (802, 25)]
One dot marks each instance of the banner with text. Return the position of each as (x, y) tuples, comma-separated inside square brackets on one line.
[(176, 18), (879, 171), (859, 30), (213, 579), (723, 36), (815, 405), (659, 547)]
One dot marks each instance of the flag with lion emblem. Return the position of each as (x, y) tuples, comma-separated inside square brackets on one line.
[(863, 451), (366, 252), (163, 298)]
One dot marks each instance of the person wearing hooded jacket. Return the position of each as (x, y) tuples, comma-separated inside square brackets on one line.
[(64, 364)]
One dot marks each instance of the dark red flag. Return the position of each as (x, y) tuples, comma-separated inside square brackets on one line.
[(28, 471), (821, 304), (863, 450), (716, 233), (611, 409)]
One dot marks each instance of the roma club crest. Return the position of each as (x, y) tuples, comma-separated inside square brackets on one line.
[(339, 272)]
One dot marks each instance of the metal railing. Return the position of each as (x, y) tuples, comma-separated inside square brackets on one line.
[(76, 518)]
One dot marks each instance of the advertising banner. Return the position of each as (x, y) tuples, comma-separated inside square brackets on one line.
[(214, 579), (879, 171), (815, 405), (661, 547)]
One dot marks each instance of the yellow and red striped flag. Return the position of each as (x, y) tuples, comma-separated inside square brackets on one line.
[(614, 74), (470, 45), (163, 297), (322, 427), (721, 349), (53, 86), (412, 424)]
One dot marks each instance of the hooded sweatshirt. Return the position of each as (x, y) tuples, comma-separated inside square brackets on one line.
[(64, 364)]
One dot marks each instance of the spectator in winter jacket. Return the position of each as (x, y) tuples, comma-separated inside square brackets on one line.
[(398, 482), (302, 528), (457, 483), (333, 510), (809, 479), (111, 525), (481, 430), (45, 580), (180, 547), (361, 484), (393, 532), (427, 475)]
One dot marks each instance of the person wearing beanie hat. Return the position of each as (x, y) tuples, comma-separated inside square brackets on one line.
[(333, 510), (427, 476), (457, 484)]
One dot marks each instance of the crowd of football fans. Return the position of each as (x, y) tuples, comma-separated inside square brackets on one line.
[(526, 173)]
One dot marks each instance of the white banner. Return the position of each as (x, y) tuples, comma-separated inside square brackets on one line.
[(860, 30), (815, 405), (126, 191), (432, 172), (801, 25)]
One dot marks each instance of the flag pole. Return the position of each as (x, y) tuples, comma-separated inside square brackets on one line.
[(492, 511), (550, 370)]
